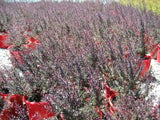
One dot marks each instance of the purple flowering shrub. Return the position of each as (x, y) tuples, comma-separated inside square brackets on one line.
[(82, 47)]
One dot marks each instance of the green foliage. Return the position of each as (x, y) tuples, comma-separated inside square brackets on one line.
[(153, 5)]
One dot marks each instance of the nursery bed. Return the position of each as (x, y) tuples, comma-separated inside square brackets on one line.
[(79, 61), (153, 88)]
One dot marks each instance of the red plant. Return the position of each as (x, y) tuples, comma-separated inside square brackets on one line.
[(158, 56), (12, 102), (110, 105), (32, 43), (38, 110), (154, 111), (113, 12), (146, 65), (110, 94), (16, 54), (3, 39), (42, 108), (62, 116), (99, 111), (154, 51)]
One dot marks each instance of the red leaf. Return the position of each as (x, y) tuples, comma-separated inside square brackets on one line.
[(12, 101), (38, 110)]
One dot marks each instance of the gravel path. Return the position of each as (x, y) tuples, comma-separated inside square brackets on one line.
[(154, 87)]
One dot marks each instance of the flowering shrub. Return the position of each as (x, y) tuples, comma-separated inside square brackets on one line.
[(85, 65)]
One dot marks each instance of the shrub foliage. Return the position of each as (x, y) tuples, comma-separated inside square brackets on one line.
[(83, 47)]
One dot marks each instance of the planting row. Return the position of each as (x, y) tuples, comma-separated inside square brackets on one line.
[(31, 43), (41, 110)]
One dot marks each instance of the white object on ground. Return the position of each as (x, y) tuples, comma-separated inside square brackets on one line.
[(155, 86), (5, 59)]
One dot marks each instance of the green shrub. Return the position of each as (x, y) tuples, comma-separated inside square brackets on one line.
[(153, 5)]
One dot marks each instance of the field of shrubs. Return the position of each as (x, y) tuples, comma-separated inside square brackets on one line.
[(77, 61)]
